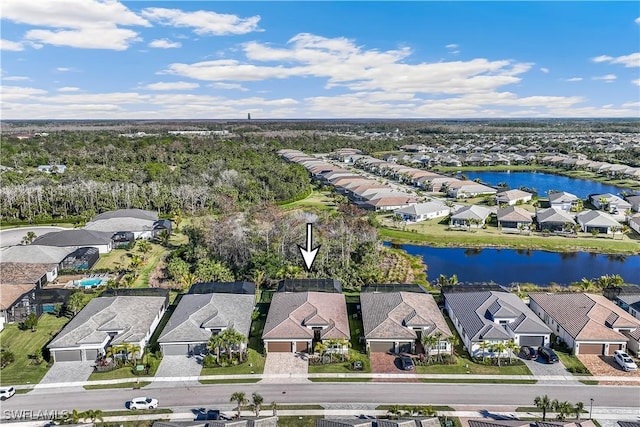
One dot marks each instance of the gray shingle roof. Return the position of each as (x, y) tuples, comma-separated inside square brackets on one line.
[(597, 218), (552, 215), (474, 311), (132, 315), (34, 254), (423, 208), (562, 197), (114, 225), (127, 213), (390, 315), (195, 312), (466, 212), (74, 238)]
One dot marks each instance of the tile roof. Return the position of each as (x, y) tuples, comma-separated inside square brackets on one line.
[(476, 311), (9, 294), (195, 312), (554, 215), (510, 195), (288, 312), (597, 218), (23, 273), (562, 197), (514, 213), (424, 208), (390, 315), (499, 423), (467, 212), (131, 315), (586, 316)]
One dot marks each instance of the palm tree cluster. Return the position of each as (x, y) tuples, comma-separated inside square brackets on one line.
[(74, 417), (431, 341), (241, 400), (332, 348), (396, 411), (227, 341), (562, 409), (498, 349)]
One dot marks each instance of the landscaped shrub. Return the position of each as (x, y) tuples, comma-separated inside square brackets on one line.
[(6, 358), (209, 361)]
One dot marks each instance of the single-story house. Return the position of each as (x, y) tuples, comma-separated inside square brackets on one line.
[(138, 221), (77, 239), (108, 321), (587, 323), (553, 219), (310, 285), (609, 202), (26, 273), (200, 316), (597, 220), (388, 202), (465, 216), (464, 189), (494, 317), (634, 201), (15, 302), (422, 211), (634, 222), (35, 254), (514, 218), (563, 200), (512, 197), (298, 320), (394, 322), (627, 297)]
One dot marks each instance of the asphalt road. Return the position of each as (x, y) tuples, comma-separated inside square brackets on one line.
[(210, 396), (13, 236)]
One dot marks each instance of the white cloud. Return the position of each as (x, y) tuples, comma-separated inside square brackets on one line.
[(630, 61), (203, 22), (574, 79), (637, 20), (15, 78), (11, 46), (164, 44), (171, 86), (64, 69), (636, 82), (228, 86), (544, 70), (88, 24), (69, 89), (452, 46), (10, 93), (343, 64), (607, 78)]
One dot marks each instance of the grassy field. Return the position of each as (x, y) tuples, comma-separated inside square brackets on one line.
[(317, 199), (25, 343), (434, 234), (253, 365), (131, 385)]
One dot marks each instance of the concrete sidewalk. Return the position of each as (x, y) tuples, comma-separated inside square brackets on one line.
[(287, 378)]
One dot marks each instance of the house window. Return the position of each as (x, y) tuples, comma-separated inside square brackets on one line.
[(504, 322)]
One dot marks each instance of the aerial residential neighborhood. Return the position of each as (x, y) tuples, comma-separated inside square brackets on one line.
[(319, 214)]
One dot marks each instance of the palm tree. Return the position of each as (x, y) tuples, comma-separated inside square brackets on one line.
[(578, 410), (428, 342), (258, 277), (513, 348), (394, 412), (499, 348), (72, 417), (215, 343), (543, 403), (93, 415), (164, 237), (454, 342), (438, 336), (241, 399), (585, 284), (256, 403), (483, 346)]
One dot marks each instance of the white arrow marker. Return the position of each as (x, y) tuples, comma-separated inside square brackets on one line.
[(307, 254)]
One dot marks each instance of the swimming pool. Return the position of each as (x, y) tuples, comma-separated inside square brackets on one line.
[(87, 283)]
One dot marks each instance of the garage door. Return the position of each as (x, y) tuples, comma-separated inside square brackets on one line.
[(175, 349), (614, 347), (534, 341), (405, 347), (301, 346), (591, 349), (91, 354), (67, 356), (279, 347), (380, 346)]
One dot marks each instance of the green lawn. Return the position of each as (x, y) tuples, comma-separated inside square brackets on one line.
[(127, 371), (570, 361), (434, 407), (120, 259), (438, 235), (308, 421), (344, 366), (340, 380), (317, 199), (253, 365), (257, 326), (131, 385), (231, 381), (476, 381), (24, 343)]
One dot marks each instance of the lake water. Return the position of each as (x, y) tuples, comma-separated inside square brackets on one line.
[(505, 266), (543, 182)]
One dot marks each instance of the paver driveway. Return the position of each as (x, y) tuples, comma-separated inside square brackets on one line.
[(605, 366), (178, 366), (66, 372), (384, 363), (285, 367)]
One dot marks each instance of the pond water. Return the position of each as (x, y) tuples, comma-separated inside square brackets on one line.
[(543, 182), (505, 266)]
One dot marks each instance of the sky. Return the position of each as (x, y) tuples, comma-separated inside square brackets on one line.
[(92, 59)]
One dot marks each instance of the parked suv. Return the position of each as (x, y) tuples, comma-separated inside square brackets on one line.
[(7, 392), (405, 362), (548, 355), (529, 353), (625, 362)]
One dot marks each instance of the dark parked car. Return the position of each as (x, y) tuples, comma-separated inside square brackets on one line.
[(406, 364), (529, 353), (548, 355)]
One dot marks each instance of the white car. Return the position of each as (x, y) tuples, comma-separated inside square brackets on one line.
[(143, 403), (625, 362), (7, 392)]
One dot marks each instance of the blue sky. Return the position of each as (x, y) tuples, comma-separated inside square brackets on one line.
[(85, 59)]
